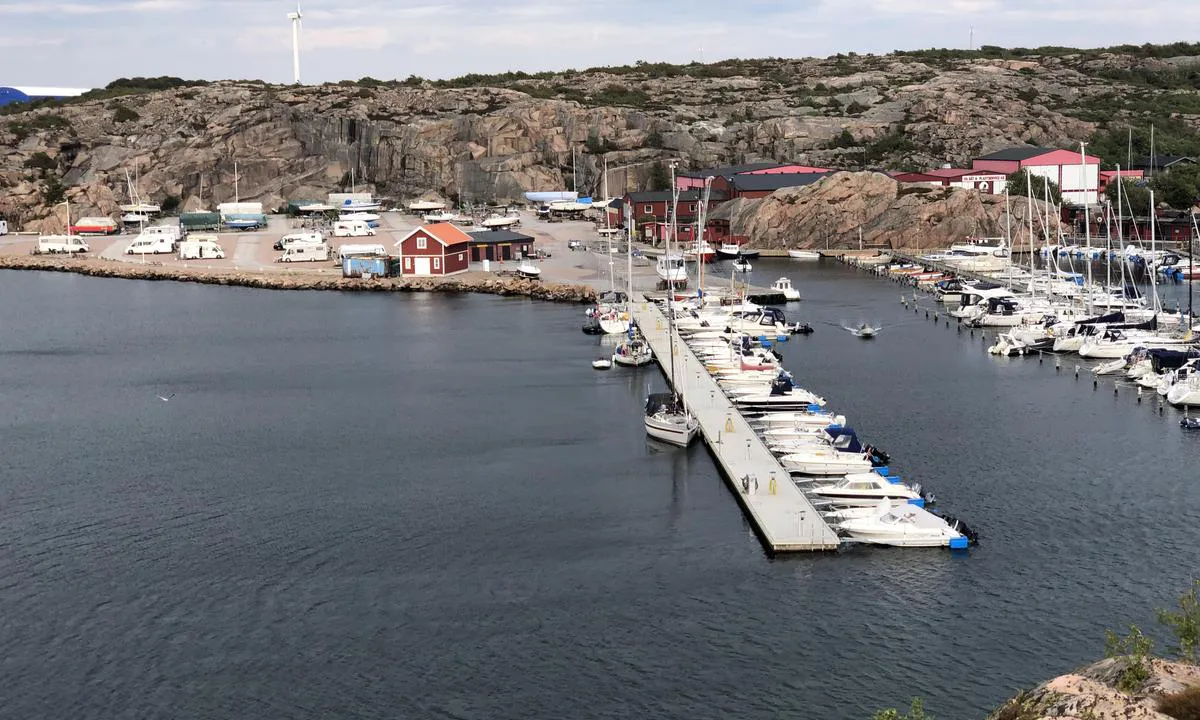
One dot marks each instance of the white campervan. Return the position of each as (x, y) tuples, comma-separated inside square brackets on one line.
[(151, 244), (201, 247), (304, 252), (352, 228), (300, 238), (60, 244)]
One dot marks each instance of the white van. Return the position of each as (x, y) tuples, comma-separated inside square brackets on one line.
[(355, 250), (201, 247), (300, 238), (60, 244), (304, 252), (3, 227), (352, 228), (175, 232), (151, 244)]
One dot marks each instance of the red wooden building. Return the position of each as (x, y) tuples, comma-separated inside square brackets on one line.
[(651, 213), (434, 249)]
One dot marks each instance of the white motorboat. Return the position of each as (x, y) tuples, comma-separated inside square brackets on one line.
[(825, 461), (315, 208), (865, 331), (804, 255), (500, 221), (134, 218), (671, 269), (141, 208), (866, 489), (741, 265), (529, 271), (784, 287), (1185, 390), (667, 420), (371, 219), (351, 205), (813, 417), (418, 207), (1117, 343), (602, 363), (438, 216), (907, 525)]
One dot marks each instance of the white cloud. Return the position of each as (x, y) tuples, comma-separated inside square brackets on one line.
[(79, 8), (29, 42)]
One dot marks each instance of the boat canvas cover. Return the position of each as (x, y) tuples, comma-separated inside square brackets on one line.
[(1161, 359), (845, 439), (1114, 317)]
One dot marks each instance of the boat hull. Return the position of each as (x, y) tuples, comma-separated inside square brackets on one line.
[(804, 255), (676, 430)]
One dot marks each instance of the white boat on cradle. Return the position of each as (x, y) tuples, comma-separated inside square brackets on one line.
[(671, 269), (500, 221), (667, 420), (529, 271), (425, 206), (804, 255), (784, 287), (907, 525)]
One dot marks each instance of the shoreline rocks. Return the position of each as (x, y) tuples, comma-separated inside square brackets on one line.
[(471, 282)]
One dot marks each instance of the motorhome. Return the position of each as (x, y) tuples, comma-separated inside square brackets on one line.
[(300, 238), (174, 232), (201, 247), (304, 252), (151, 244), (60, 244), (352, 228), (346, 251)]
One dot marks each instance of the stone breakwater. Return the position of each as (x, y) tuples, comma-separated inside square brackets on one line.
[(470, 282)]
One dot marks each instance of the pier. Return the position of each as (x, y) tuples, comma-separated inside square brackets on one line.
[(782, 516)]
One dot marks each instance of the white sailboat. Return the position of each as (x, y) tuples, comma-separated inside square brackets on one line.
[(667, 418), (635, 351)]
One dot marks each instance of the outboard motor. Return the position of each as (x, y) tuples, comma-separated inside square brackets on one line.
[(781, 386), (878, 457), (961, 527)]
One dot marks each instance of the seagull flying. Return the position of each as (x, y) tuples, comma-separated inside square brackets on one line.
[(165, 399)]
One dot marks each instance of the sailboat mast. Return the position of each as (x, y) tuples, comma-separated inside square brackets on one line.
[(1029, 201), (1153, 248), (671, 236), (1087, 221)]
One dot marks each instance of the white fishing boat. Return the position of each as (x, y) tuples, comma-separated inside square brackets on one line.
[(784, 287), (804, 255), (671, 269), (741, 265), (907, 525), (728, 251)]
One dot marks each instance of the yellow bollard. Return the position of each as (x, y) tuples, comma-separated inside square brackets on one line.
[(658, 325), (728, 424), (771, 487)]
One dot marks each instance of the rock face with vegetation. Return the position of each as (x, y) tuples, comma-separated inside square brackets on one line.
[(482, 138), (831, 212)]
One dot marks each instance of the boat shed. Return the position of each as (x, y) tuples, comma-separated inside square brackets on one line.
[(499, 245), (434, 249)]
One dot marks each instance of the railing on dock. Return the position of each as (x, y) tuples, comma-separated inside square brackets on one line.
[(781, 514)]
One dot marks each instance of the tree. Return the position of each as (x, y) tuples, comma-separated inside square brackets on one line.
[(1019, 185), (1179, 187), (659, 179), (1134, 194), (916, 711), (1185, 624)]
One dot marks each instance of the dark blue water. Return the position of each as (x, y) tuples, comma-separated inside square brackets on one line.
[(414, 506)]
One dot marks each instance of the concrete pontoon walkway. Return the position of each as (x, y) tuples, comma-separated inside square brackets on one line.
[(781, 514)]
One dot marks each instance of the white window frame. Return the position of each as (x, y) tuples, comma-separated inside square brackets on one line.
[(648, 209), (422, 243), (408, 263), (437, 263)]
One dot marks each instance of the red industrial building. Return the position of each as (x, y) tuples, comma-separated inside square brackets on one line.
[(982, 180), (1076, 175), (434, 249)]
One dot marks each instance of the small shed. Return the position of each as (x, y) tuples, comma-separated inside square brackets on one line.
[(499, 245), (434, 249)]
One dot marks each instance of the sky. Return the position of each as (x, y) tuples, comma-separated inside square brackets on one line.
[(88, 43)]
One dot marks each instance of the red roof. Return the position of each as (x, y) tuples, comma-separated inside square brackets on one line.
[(952, 173), (444, 232)]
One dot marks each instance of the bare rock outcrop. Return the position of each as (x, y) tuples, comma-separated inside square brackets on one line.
[(831, 212), (1092, 693)]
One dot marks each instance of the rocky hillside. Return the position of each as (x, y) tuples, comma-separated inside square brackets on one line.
[(484, 138)]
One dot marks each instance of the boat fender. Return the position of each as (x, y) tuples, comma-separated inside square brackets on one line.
[(959, 543)]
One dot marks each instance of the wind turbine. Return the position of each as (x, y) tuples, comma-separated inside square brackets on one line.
[(295, 18)]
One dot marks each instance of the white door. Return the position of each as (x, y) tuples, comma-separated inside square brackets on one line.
[(421, 266)]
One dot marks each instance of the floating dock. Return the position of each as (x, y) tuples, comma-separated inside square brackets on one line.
[(782, 516)]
